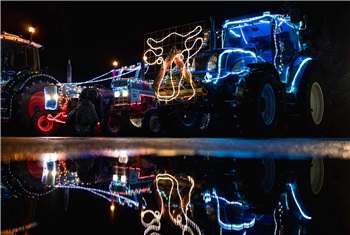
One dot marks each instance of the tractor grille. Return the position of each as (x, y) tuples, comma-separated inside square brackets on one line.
[(201, 63), (121, 100)]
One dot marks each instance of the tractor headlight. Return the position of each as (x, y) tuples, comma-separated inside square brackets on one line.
[(213, 61), (116, 94), (51, 97), (125, 93), (115, 178), (49, 173)]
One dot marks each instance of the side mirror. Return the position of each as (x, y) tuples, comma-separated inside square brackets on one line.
[(206, 37)]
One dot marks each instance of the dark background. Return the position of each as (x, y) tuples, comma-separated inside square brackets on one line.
[(94, 33)]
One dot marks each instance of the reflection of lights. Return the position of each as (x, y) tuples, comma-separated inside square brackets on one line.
[(181, 220), (123, 179), (50, 157), (49, 173), (293, 188), (236, 227), (123, 158), (122, 200), (115, 178)]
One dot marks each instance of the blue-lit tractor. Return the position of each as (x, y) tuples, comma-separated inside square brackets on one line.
[(252, 77)]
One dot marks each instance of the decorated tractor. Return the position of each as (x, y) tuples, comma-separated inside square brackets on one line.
[(61, 103), (22, 82), (127, 106), (256, 81), (133, 108)]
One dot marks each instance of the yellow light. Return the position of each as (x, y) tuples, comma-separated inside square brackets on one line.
[(115, 63), (145, 58), (31, 30), (112, 207)]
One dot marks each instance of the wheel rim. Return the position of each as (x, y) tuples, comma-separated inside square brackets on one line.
[(45, 125), (316, 175), (36, 103), (114, 123), (269, 109), (268, 180), (316, 103), (188, 117), (154, 124), (136, 122)]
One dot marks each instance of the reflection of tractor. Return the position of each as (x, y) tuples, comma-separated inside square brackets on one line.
[(22, 80), (257, 78)]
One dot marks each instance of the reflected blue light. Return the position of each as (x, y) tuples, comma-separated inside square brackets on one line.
[(292, 187)]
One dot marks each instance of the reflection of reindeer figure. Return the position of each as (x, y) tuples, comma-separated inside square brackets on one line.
[(164, 90), (179, 215)]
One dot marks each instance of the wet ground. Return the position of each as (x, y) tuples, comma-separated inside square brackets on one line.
[(175, 185)]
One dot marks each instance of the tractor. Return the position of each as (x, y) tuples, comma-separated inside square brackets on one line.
[(251, 77)]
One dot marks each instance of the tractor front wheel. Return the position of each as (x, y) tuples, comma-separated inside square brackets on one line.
[(113, 124), (42, 126)]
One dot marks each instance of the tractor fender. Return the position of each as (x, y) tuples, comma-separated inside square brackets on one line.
[(16, 85), (294, 74)]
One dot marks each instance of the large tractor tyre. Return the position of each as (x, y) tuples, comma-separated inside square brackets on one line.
[(311, 181), (113, 125), (24, 178), (151, 124), (31, 99), (264, 184), (42, 126), (181, 122), (260, 105), (313, 102)]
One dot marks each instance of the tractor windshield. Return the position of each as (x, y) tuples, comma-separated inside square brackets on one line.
[(248, 33), (17, 57)]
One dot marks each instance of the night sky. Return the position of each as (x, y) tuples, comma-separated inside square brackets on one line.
[(94, 33)]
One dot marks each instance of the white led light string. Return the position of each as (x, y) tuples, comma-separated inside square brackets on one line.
[(185, 73)]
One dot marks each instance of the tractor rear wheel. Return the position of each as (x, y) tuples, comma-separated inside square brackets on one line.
[(313, 102), (31, 100)]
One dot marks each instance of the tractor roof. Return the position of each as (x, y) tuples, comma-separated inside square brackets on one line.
[(16, 38)]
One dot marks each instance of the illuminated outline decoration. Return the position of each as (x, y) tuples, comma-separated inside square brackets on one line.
[(167, 66), (188, 225)]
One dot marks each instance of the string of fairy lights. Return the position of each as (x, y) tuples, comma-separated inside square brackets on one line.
[(181, 220), (11, 85), (176, 81)]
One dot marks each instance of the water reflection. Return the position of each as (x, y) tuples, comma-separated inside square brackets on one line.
[(150, 194)]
